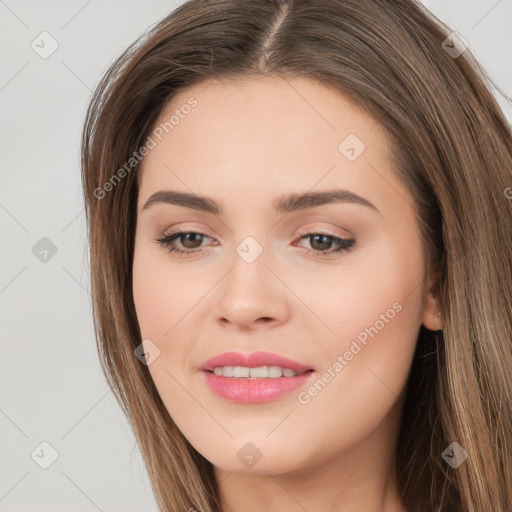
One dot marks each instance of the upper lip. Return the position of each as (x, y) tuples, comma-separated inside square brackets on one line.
[(253, 360)]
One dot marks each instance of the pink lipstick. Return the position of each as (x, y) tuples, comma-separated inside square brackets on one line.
[(254, 378)]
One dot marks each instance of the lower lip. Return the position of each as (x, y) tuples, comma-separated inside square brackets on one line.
[(254, 391)]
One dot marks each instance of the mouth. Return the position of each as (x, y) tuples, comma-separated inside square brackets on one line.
[(253, 378)]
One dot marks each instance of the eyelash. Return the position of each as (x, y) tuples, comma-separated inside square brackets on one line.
[(168, 240)]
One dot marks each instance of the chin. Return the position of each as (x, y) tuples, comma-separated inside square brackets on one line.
[(255, 457)]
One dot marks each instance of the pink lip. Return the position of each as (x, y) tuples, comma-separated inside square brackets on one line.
[(252, 391)]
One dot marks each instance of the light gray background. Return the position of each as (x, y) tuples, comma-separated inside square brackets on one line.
[(52, 388)]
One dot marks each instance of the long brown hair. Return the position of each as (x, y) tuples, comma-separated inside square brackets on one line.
[(452, 147)]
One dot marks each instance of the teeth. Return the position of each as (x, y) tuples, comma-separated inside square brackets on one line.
[(275, 372), (240, 371), (261, 372)]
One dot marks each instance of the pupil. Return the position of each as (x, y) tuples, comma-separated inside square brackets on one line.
[(192, 235), (322, 237)]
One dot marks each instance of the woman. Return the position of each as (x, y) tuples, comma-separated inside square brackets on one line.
[(300, 230)]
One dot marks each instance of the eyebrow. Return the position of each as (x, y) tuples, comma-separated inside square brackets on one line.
[(285, 204)]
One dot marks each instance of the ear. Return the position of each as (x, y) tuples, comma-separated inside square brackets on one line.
[(432, 317)]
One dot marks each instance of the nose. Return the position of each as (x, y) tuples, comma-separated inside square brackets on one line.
[(251, 296)]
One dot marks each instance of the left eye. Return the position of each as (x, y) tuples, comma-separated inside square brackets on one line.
[(192, 240)]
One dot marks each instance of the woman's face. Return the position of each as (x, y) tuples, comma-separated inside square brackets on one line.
[(293, 172)]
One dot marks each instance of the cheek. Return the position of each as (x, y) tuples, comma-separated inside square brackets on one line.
[(374, 328), (372, 294), (376, 315), (160, 293), (365, 365)]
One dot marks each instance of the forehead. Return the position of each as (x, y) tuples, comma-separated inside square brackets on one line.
[(280, 112), (260, 137)]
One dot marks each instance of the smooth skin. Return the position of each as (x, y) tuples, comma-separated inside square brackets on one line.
[(246, 145)]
